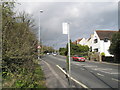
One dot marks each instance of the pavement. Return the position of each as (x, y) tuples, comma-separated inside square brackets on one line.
[(52, 78)]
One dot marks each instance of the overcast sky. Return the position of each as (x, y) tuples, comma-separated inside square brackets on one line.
[(84, 18)]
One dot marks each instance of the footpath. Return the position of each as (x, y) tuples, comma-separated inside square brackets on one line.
[(53, 80)]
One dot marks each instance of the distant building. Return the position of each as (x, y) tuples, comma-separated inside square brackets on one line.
[(82, 41), (89, 41), (77, 41)]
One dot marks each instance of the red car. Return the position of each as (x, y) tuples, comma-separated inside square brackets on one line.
[(78, 58)]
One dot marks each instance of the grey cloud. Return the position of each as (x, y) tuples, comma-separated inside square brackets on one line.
[(84, 18)]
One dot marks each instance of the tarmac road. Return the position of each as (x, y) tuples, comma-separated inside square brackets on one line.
[(91, 74)]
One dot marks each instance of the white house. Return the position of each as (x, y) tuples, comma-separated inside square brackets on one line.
[(89, 41), (100, 41), (82, 41)]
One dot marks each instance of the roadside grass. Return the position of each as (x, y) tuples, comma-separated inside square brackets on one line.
[(28, 76)]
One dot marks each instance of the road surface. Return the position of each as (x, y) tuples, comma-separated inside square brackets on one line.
[(90, 74)]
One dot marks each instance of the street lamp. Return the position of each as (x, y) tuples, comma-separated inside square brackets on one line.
[(41, 11)]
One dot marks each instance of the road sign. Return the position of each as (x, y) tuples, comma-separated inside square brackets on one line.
[(65, 27)]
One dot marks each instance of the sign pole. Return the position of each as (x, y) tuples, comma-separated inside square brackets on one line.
[(69, 54), (66, 31)]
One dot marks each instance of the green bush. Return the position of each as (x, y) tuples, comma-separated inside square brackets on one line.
[(19, 50), (75, 49), (102, 54)]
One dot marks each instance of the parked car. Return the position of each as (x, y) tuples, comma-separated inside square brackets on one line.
[(48, 53), (54, 54), (78, 58)]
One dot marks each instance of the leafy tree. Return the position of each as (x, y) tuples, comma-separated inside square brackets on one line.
[(18, 40), (75, 49), (115, 46), (62, 51), (83, 48), (47, 49), (18, 47), (0, 31)]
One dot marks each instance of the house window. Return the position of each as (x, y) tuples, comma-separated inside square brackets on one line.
[(96, 50), (95, 40), (90, 49), (105, 39)]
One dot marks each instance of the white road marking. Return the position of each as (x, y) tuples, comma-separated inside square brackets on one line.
[(89, 66), (91, 71), (82, 69), (114, 73), (78, 64), (111, 63), (100, 74), (105, 70), (105, 63), (115, 79), (81, 84), (109, 72), (61, 69), (94, 61), (102, 69)]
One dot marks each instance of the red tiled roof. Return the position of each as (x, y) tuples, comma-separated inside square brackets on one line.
[(105, 34), (75, 42)]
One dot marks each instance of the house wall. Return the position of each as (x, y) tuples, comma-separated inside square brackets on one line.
[(104, 47), (89, 43), (82, 42), (101, 45), (95, 45)]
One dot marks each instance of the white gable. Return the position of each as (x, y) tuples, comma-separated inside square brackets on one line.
[(100, 45), (83, 41)]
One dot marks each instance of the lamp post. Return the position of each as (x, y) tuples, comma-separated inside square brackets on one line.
[(39, 47)]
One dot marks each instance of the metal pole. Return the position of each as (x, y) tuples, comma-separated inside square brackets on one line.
[(69, 54), (39, 36)]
